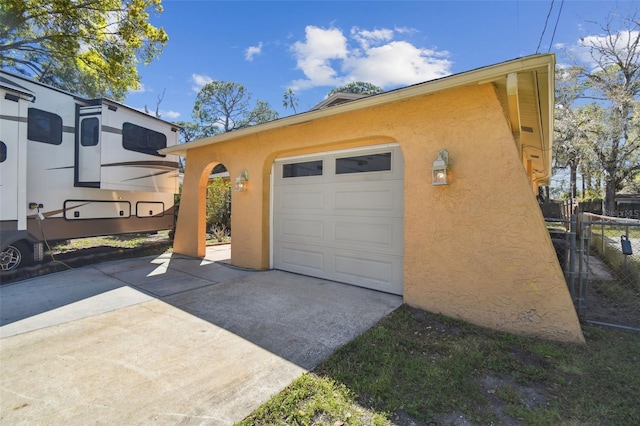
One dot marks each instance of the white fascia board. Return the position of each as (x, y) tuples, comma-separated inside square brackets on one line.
[(478, 76)]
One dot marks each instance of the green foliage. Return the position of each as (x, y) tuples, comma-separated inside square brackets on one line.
[(590, 195), (602, 137), (219, 204), (88, 47), (290, 100), (222, 106), (626, 288), (360, 87), (314, 400)]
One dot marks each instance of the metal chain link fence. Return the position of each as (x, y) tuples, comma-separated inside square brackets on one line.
[(600, 257)]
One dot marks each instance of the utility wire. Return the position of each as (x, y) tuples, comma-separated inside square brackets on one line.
[(546, 21), (556, 26)]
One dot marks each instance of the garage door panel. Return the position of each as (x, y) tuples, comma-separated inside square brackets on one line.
[(344, 227), (301, 200), (303, 259), (368, 199), (369, 234), (367, 270), (297, 229), (363, 200)]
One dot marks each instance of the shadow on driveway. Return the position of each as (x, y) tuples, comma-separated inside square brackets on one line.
[(168, 339)]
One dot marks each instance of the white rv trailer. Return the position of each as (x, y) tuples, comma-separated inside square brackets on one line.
[(73, 167)]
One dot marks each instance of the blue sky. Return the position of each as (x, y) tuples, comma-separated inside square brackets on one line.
[(314, 46)]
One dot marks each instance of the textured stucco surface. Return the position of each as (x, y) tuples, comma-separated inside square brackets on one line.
[(477, 249)]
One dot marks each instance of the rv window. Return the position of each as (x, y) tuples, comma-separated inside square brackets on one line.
[(44, 127), (140, 139), (3, 152), (90, 132)]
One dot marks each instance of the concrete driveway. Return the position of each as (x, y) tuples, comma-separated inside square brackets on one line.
[(167, 340)]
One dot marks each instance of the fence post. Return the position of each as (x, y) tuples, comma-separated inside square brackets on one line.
[(572, 258), (583, 272)]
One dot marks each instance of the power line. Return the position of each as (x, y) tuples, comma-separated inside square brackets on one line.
[(545, 26), (556, 26)]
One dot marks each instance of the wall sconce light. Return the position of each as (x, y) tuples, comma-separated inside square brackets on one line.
[(440, 169), (241, 181)]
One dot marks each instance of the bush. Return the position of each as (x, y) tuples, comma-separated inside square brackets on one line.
[(219, 204)]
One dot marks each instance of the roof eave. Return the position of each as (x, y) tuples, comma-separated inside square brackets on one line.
[(483, 75)]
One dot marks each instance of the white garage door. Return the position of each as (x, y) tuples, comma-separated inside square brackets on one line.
[(339, 216)]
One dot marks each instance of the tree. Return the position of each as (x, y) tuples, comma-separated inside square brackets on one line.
[(360, 87), (189, 131), (611, 83), (222, 106), (88, 47), (158, 102), (290, 100), (567, 148), (262, 113), (573, 127)]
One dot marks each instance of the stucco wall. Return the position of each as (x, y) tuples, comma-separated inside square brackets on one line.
[(476, 249)]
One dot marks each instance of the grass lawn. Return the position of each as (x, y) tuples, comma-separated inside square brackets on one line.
[(416, 368)]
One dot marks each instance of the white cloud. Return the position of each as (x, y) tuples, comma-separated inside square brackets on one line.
[(327, 58), (252, 51), (141, 89), (585, 50), (199, 80), (398, 63), (367, 38), (315, 55), (405, 30), (169, 114)]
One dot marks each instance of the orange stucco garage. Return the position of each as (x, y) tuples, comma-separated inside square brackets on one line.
[(347, 193)]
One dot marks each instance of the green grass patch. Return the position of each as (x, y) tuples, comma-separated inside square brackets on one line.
[(125, 241), (615, 231), (423, 368), (314, 400), (625, 268)]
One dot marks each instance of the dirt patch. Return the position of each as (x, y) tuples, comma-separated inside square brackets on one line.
[(608, 310)]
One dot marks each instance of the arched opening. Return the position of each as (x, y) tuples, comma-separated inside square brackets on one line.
[(218, 206), (195, 203)]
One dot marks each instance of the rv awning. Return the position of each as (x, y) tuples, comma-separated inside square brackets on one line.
[(23, 92)]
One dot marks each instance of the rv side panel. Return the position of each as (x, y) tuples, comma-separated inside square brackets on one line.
[(13, 162), (129, 157)]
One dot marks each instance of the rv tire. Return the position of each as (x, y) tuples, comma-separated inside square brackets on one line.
[(15, 255)]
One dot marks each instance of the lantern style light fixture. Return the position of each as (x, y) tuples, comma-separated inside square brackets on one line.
[(440, 169), (241, 181)]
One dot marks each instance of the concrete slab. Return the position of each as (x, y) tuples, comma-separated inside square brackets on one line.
[(25, 299), (207, 270), (148, 363), (207, 354), (171, 285), (105, 302), (126, 265), (299, 318)]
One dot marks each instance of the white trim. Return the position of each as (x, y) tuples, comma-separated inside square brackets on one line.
[(486, 74), (271, 183), (336, 151)]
